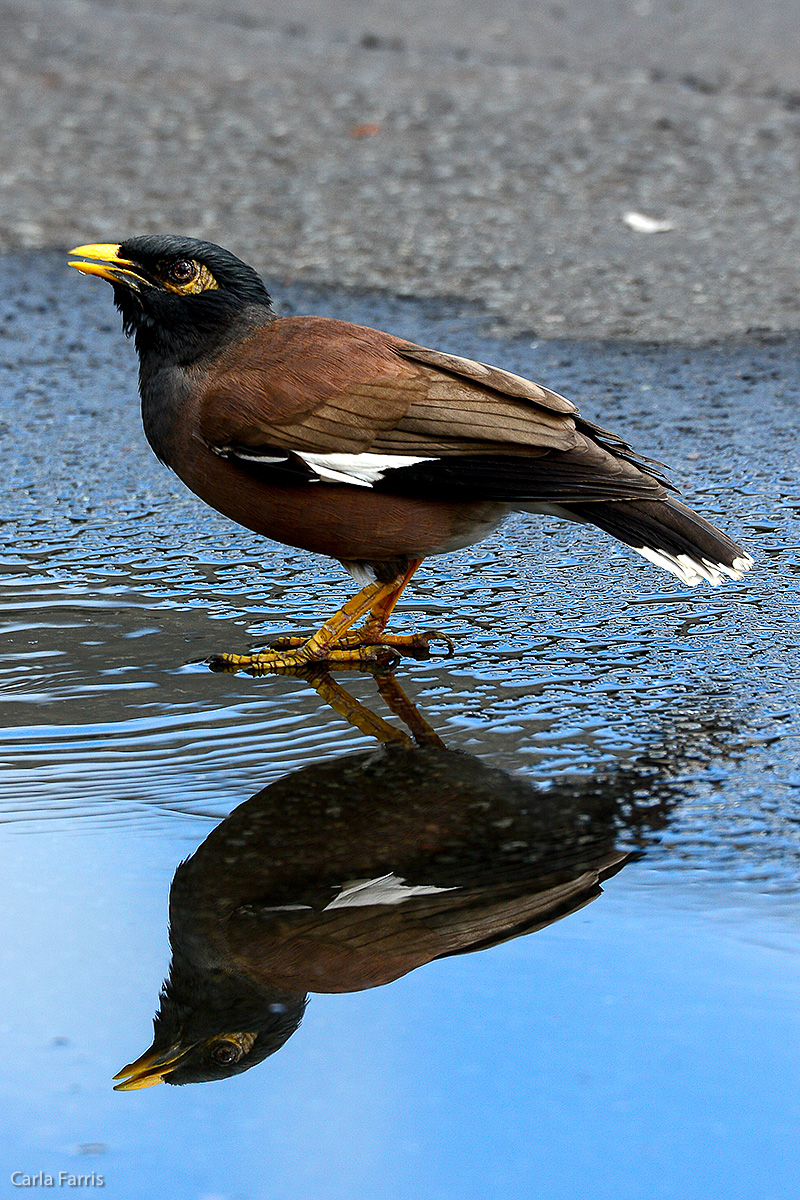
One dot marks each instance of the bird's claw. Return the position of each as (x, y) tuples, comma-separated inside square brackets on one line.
[(295, 662), (411, 645), (435, 635)]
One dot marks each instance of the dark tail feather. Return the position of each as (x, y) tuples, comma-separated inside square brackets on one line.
[(670, 535)]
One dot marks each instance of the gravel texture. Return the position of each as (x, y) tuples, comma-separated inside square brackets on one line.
[(488, 153)]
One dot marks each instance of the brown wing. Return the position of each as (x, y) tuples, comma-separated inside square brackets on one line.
[(350, 948), (319, 386), (325, 386)]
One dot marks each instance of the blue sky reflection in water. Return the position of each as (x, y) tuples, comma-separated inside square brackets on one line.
[(646, 1045)]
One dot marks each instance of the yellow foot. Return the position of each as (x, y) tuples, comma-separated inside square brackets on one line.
[(413, 645), (291, 662), (340, 641)]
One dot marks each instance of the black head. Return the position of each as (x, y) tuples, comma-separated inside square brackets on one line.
[(179, 296), (211, 1025)]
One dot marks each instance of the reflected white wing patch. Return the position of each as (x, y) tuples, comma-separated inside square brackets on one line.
[(358, 893), (386, 889)]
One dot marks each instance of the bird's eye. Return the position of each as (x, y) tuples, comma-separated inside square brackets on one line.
[(183, 271), (185, 276), (225, 1053)]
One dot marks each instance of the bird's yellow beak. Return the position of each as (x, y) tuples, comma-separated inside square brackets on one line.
[(149, 1069), (109, 265)]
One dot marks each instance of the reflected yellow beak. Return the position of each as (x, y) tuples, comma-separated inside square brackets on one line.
[(149, 1069), (154, 1065), (109, 265)]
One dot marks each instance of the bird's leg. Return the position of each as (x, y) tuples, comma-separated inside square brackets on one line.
[(373, 631), (351, 709), (327, 644), (399, 703), (368, 722)]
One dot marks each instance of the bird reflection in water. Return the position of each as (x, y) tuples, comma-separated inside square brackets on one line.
[(350, 873)]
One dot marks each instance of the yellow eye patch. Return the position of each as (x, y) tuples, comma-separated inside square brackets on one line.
[(187, 277)]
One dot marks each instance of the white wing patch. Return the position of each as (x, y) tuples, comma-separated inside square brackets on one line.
[(248, 455), (360, 469)]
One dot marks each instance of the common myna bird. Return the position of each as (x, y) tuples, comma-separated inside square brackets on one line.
[(350, 873), (349, 442)]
